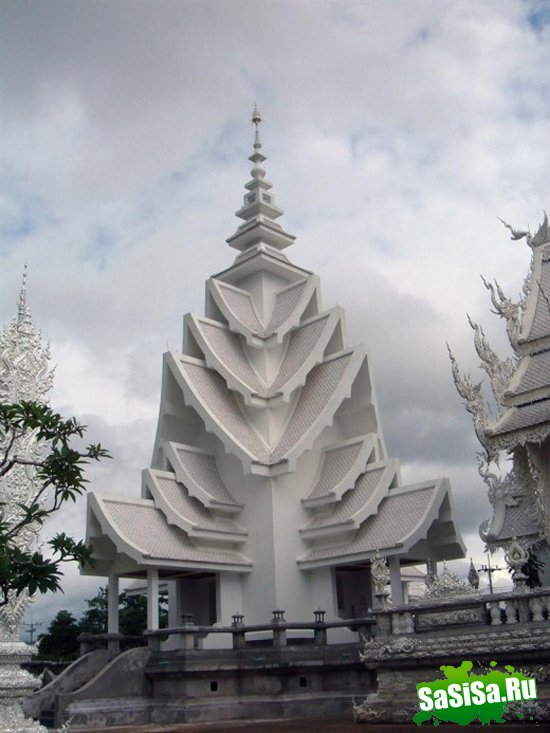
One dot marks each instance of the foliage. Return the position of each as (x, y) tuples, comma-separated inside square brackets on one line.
[(532, 569), (60, 642), (94, 618), (58, 478), (132, 614)]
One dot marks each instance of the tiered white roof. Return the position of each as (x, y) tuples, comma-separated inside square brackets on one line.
[(521, 387), (265, 399)]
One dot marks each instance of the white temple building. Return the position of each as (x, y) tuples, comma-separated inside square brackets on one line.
[(520, 425), (270, 486)]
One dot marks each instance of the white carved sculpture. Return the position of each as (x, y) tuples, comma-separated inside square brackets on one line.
[(24, 375), (445, 585), (380, 574), (516, 557)]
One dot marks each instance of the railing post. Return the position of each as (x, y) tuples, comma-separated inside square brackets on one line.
[(494, 613), (153, 642), (279, 634), (113, 645), (383, 622), (524, 614), (511, 612), (188, 633), (537, 608), (239, 641), (319, 628), (85, 643)]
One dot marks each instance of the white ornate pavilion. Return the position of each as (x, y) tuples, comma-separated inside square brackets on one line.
[(270, 486), (520, 427)]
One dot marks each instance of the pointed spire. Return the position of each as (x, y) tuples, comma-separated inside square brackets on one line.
[(23, 318), (25, 373), (257, 158), (256, 120), (259, 210), (473, 577)]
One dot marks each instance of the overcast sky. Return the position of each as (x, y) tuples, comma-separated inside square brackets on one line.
[(396, 132)]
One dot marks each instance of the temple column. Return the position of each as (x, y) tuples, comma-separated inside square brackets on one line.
[(112, 604), (396, 583), (152, 598)]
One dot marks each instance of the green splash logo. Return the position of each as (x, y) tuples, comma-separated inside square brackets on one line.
[(462, 696)]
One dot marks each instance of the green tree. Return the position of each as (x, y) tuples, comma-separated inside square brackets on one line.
[(60, 641), (58, 478), (94, 618), (132, 614), (532, 569)]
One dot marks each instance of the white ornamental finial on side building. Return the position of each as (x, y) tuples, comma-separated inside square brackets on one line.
[(25, 373)]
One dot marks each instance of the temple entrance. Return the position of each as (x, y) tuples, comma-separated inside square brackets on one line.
[(195, 599), (353, 590)]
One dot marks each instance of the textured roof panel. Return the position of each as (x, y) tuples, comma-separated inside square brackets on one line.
[(213, 393), (537, 373), (541, 321), (203, 469), (229, 350), (146, 528), (321, 383), (285, 303), (398, 516), (191, 509), (352, 501), (518, 521), (315, 397), (301, 344), (523, 417), (334, 467), (241, 305)]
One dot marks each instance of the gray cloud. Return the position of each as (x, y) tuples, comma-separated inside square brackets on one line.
[(396, 133)]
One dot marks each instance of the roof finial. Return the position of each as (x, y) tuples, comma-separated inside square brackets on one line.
[(22, 310), (257, 158), (256, 120), (259, 210)]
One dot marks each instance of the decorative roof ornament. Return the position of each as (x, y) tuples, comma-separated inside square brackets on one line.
[(446, 584), (256, 120), (507, 309), (24, 375), (473, 400), (257, 158), (516, 557), (499, 372), (542, 235), (380, 574), (473, 576), (259, 210), (521, 387), (24, 359)]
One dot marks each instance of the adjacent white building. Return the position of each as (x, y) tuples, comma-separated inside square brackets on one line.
[(520, 425), (270, 486)]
